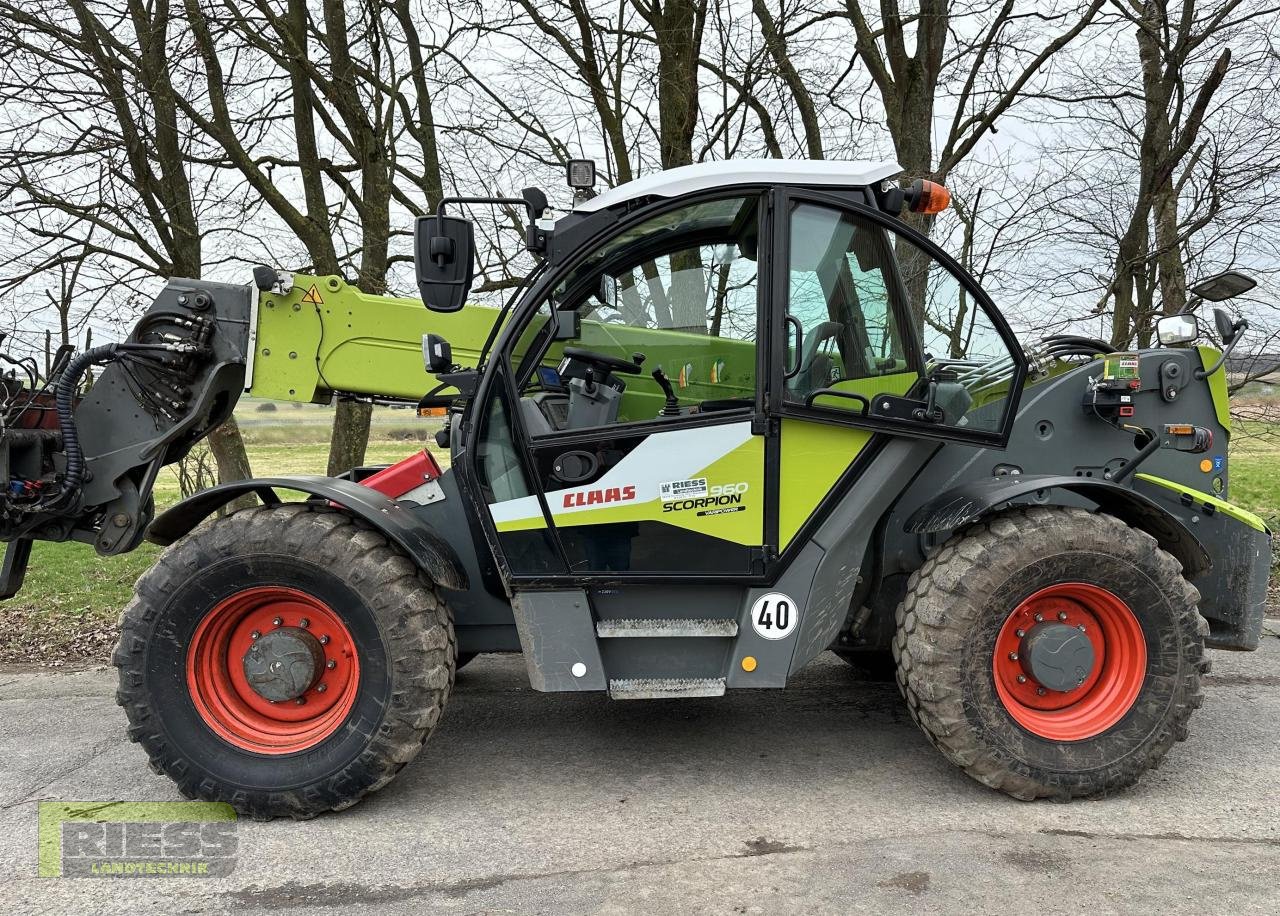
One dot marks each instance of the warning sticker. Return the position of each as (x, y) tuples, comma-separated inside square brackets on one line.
[(682, 489), (313, 296)]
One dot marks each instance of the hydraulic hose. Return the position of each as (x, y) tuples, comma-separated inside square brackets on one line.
[(64, 401)]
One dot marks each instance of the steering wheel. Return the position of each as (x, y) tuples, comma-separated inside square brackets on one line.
[(605, 361)]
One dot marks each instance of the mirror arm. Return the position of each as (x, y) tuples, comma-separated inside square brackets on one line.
[(496, 201), (1202, 374)]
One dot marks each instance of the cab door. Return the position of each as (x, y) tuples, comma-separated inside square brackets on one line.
[(615, 479), (880, 334)]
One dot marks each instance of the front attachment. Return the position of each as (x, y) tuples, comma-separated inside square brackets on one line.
[(80, 448)]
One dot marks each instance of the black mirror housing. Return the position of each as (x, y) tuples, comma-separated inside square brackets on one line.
[(1223, 286), (437, 355), (444, 259), (1226, 327)]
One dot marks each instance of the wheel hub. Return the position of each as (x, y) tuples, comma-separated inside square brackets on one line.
[(273, 669), (1069, 661), (1057, 655), (284, 664)]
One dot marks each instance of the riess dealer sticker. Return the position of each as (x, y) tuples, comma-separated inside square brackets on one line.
[(774, 616), (682, 489)]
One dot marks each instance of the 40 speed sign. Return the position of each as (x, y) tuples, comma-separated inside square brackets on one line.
[(774, 616)]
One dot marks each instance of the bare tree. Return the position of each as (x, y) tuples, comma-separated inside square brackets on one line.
[(98, 161), (353, 80), (1170, 160)]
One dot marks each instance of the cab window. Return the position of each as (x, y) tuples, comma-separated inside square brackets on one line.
[(840, 303), (853, 286), (677, 294)]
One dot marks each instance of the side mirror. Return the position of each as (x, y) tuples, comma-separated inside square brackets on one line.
[(1226, 327), (444, 259), (1176, 330), (1223, 286), (437, 355), (609, 291)]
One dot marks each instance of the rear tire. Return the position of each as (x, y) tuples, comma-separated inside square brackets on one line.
[(380, 676), (955, 658)]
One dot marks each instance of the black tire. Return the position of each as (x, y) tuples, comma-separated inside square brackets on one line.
[(878, 666), (956, 604), (400, 629)]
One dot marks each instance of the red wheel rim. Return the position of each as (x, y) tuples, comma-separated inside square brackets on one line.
[(233, 709), (1107, 692)]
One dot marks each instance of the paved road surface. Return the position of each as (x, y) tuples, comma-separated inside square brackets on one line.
[(822, 798)]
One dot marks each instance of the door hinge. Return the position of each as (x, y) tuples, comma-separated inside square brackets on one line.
[(760, 558), (764, 426)]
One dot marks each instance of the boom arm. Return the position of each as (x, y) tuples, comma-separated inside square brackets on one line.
[(322, 336)]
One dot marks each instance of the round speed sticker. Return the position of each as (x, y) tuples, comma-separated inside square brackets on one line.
[(774, 616)]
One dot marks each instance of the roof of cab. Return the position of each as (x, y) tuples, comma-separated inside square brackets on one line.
[(689, 179)]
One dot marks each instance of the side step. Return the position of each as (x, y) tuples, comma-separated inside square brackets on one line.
[(655, 688), (613, 629)]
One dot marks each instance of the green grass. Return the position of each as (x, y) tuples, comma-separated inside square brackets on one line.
[(68, 609)]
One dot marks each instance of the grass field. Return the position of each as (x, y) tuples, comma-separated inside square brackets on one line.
[(68, 608)]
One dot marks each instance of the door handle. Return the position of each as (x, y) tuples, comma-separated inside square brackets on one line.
[(574, 467), (793, 371)]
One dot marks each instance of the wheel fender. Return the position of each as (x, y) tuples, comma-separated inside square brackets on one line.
[(971, 501), (424, 546)]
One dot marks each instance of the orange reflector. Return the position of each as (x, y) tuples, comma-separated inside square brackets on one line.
[(433, 411), (1206, 465), (749, 663), (1179, 429), (928, 197)]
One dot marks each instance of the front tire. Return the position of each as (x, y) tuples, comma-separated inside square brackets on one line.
[(1061, 597), (285, 660)]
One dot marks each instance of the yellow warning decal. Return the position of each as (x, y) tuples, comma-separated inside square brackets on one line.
[(313, 296)]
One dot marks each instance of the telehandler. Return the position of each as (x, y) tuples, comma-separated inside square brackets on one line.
[(739, 414)]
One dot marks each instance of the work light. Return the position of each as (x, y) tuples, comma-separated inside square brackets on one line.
[(581, 173)]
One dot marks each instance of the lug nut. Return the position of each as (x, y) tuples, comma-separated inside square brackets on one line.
[(299, 701), (1081, 628), (1013, 656), (331, 664), (1062, 615), (1039, 618), (1040, 691), (1020, 633), (324, 640), (322, 688), (304, 623), (255, 635), (276, 621), (1022, 678)]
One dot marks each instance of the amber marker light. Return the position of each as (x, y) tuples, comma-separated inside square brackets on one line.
[(749, 663), (927, 197)]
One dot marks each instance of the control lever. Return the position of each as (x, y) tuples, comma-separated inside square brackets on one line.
[(672, 407)]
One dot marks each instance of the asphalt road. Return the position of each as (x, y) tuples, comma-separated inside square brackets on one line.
[(822, 798)]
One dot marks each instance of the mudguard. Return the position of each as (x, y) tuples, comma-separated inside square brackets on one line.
[(967, 503), (427, 548)]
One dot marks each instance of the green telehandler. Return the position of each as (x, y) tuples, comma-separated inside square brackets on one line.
[(739, 414)]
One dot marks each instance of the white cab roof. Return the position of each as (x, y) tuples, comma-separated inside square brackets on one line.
[(689, 179)]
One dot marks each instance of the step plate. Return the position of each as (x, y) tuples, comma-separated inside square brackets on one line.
[(653, 688), (631, 628)]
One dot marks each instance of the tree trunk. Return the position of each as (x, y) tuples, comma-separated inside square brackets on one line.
[(227, 446), (350, 436)]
